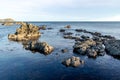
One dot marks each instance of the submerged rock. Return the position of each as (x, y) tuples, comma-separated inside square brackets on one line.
[(73, 62), (64, 50), (80, 30), (71, 37), (25, 32), (62, 30), (42, 47), (49, 28), (67, 33)]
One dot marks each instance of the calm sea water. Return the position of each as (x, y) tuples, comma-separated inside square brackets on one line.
[(16, 63)]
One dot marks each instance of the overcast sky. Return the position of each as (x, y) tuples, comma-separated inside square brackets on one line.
[(61, 10)]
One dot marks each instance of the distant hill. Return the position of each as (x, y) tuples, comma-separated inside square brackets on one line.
[(7, 21)]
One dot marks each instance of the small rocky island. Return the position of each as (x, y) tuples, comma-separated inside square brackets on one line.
[(29, 34), (25, 32)]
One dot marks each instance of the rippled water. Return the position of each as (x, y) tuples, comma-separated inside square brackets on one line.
[(16, 63)]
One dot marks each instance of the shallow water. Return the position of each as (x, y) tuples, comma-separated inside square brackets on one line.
[(16, 63)]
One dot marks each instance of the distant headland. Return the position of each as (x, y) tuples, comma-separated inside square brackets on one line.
[(7, 21)]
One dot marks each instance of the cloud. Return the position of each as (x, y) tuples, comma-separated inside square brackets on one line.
[(110, 18), (109, 3), (54, 9)]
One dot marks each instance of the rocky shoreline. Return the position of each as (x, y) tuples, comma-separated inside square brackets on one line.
[(92, 46)]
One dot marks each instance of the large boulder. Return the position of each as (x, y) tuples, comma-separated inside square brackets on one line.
[(25, 32), (113, 47), (42, 47), (73, 62), (81, 47), (90, 47)]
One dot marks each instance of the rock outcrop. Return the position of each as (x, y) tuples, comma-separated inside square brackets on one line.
[(89, 47), (25, 32), (73, 62), (41, 47), (81, 47)]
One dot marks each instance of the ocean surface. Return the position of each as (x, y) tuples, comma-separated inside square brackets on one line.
[(16, 63)]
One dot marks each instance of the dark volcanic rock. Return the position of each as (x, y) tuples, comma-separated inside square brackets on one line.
[(96, 34), (62, 30), (90, 47), (108, 37), (81, 47), (85, 37), (80, 30), (113, 47), (91, 53), (67, 33), (42, 47)]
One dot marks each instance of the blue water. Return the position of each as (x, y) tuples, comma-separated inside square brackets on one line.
[(16, 63)]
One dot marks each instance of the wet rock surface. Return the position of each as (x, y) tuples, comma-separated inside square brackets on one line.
[(103, 43), (113, 47), (25, 32), (62, 30), (92, 46), (73, 62), (42, 47)]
